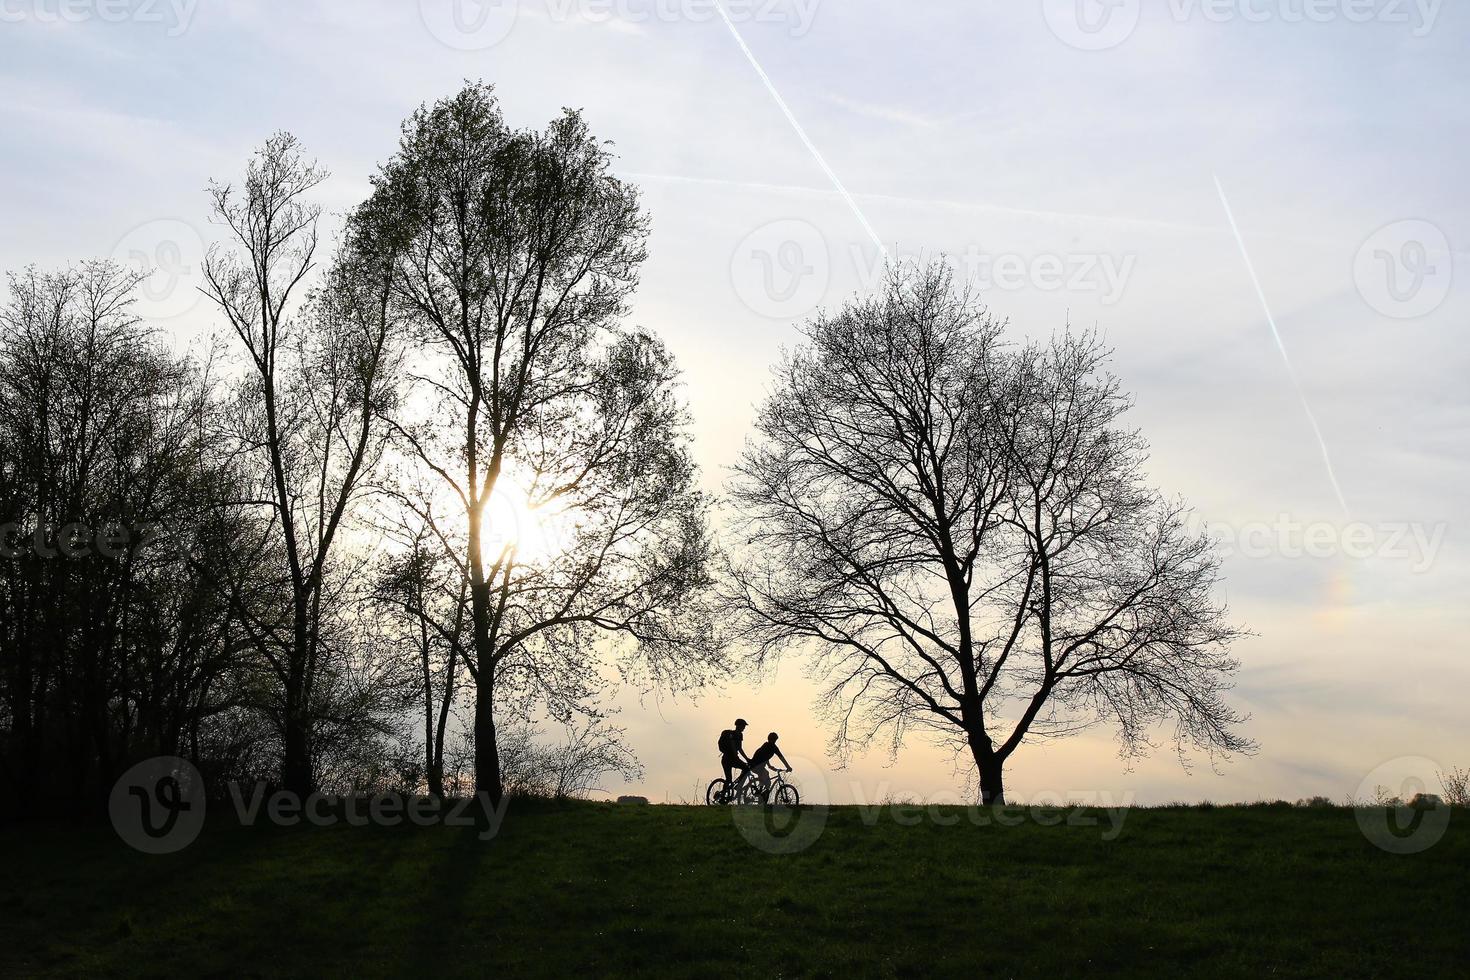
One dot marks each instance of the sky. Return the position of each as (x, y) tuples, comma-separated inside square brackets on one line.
[(1260, 204)]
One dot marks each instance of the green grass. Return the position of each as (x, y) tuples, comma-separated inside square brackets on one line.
[(603, 889)]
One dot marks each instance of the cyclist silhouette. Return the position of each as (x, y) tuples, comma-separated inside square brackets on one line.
[(760, 762), (732, 755)]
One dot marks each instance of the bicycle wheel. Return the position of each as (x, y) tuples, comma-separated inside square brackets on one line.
[(787, 795), (715, 795)]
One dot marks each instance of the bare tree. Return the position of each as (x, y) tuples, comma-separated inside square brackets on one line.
[(961, 535), (514, 253), (308, 413)]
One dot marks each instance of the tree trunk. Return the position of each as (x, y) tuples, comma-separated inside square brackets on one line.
[(436, 783), (296, 775), (435, 773), (436, 766), (992, 782), (992, 771), (487, 752), (296, 771), (988, 763)]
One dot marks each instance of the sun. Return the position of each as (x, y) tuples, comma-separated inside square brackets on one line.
[(537, 532)]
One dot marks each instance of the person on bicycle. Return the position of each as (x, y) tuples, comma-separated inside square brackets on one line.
[(732, 754), (760, 762)]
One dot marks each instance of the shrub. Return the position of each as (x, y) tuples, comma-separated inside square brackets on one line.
[(1314, 802), (1456, 786), (571, 769), (1383, 796)]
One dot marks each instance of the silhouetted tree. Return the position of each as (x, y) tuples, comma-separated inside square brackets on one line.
[(514, 253), (424, 589), (308, 428), (961, 535), (111, 646)]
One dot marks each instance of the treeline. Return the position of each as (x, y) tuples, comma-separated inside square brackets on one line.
[(427, 491), (114, 638), (422, 493)]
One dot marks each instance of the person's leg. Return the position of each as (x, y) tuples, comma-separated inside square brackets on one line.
[(742, 768)]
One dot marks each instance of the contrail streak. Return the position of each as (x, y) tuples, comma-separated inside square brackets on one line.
[(1281, 346), (791, 118)]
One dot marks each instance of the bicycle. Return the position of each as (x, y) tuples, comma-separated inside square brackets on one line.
[(747, 791)]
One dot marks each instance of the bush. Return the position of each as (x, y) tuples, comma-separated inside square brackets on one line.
[(567, 770), (1315, 802), (1456, 786), (1383, 796)]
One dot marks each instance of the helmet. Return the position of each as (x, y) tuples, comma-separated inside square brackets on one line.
[(773, 736), (740, 723)]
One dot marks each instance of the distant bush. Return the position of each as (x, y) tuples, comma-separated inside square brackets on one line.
[(573, 768), (1315, 802), (1383, 796), (1456, 786)]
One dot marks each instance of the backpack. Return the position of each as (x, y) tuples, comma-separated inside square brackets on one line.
[(727, 742)]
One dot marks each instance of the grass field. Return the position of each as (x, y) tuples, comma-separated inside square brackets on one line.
[(601, 889)]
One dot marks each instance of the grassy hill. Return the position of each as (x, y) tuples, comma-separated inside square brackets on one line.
[(605, 889)]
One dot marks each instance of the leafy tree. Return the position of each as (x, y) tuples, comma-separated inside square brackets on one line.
[(513, 253)]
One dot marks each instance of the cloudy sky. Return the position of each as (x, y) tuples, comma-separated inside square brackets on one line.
[(1299, 374)]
